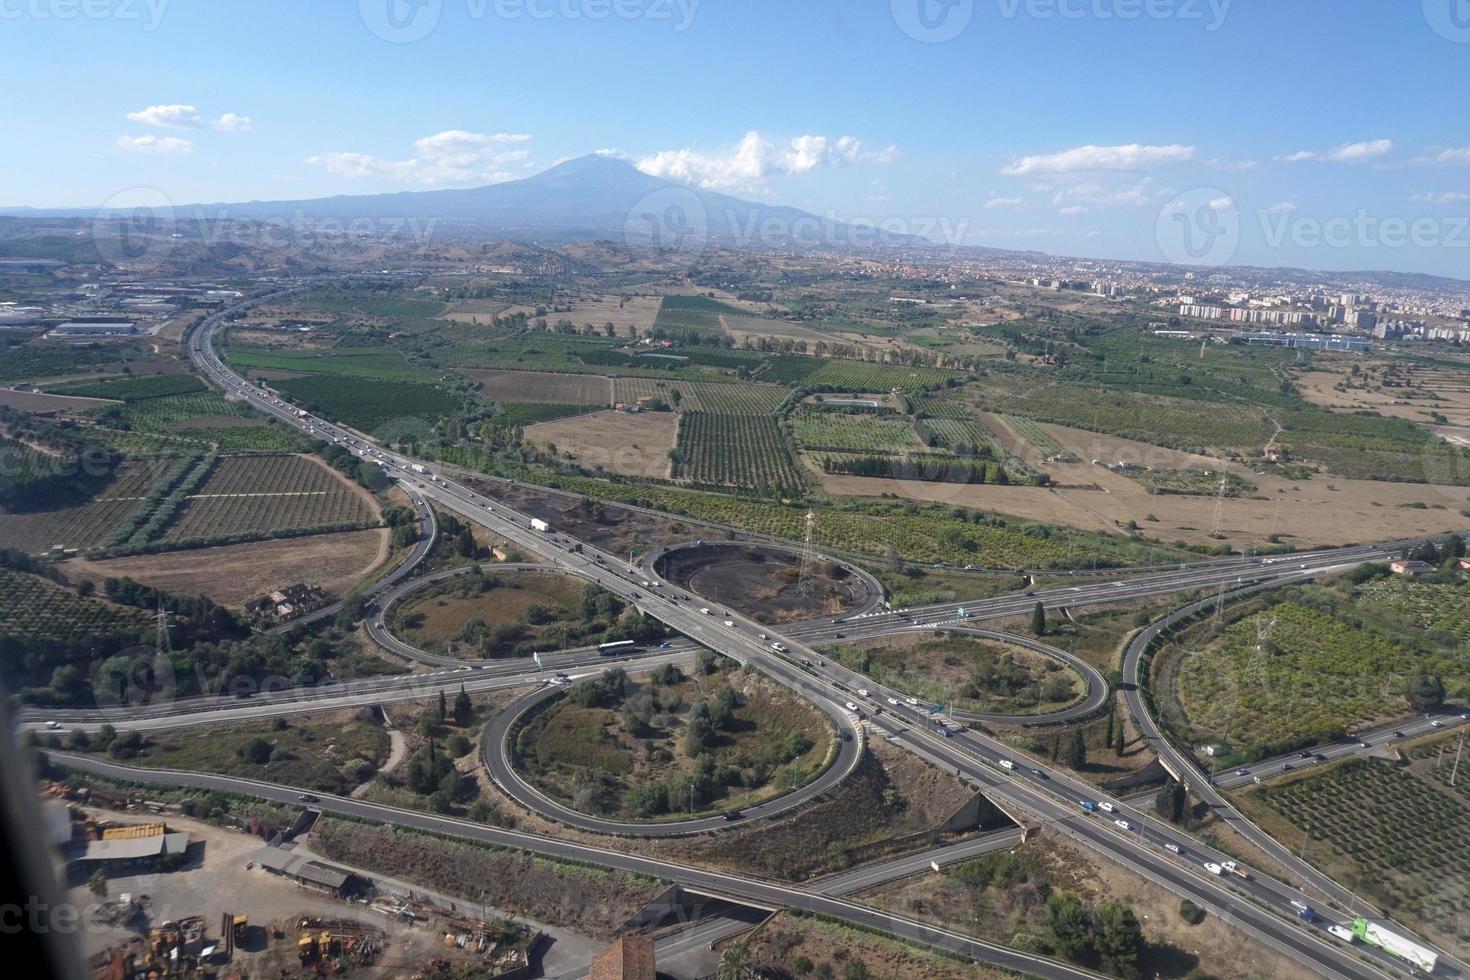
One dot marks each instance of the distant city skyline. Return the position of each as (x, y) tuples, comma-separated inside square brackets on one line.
[(1316, 134)]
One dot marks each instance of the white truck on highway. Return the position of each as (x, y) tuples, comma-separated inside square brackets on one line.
[(1376, 935), (418, 468), (537, 524)]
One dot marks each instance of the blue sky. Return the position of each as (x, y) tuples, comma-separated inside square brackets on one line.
[(1067, 126)]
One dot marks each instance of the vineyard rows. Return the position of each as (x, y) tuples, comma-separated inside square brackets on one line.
[(261, 494), (962, 436), (839, 432), (87, 525), (1040, 439), (34, 606), (937, 408), (706, 396), (735, 450)]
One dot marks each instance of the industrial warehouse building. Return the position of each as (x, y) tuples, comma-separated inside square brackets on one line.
[(306, 872)]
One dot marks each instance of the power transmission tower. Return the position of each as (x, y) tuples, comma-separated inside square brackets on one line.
[(806, 583), (162, 646), (1219, 505), (1255, 670)]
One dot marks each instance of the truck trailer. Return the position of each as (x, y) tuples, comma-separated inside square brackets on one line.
[(537, 524), (1376, 935)]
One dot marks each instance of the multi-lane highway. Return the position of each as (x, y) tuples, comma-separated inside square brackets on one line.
[(1260, 906), (737, 888)]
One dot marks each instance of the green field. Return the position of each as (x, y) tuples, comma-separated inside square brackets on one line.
[(1173, 422), (1440, 609), (1315, 676), (134, 389), (1199, 483), (1040, 439), (34, 606), (369, 405), (856, 376), (347, 362), (735, 450), (819, 430), (541, 412)]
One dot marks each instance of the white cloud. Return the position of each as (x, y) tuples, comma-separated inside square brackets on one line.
[(747, 164), (156, 145), (1222, 203), (451, 157), (1450, 197), (1104, 194), (1073, 210), (169, 117), (1081, 159), (1346, 153), (233, 123), (1005, 202), (1454, 156), (1281, 207)]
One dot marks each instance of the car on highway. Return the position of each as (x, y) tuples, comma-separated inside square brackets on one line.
[(893, 701), (850, 706), (941, 730), (732, 815), (913, 701), (1437, 724), (1105, 805), (1087, 805), (778, 647), (1038, 773), (1007, 764), (1242, 772), (730, 623), (862, 692), (1120, 822), (1171, 846), (1399, 735), (308, 798), (1214, 868), (53, 725)]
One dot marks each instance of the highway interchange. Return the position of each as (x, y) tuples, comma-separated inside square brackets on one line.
[(1032, 791)]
